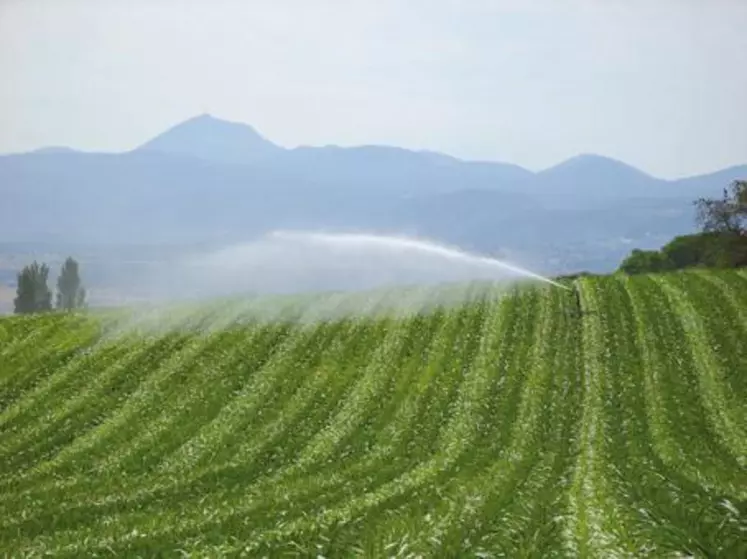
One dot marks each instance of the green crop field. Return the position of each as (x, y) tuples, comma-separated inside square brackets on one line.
[(511, 425)]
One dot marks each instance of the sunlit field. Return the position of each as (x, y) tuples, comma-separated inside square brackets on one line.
[(426, 422)]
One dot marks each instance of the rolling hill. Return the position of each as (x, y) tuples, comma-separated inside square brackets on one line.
[(512, 424)]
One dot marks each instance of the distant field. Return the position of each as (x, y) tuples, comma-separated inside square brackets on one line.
[(511, 425)]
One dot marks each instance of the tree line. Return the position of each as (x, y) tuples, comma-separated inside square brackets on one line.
[(721, 243), (33, 294)]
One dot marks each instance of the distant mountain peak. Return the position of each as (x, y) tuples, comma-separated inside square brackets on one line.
[(206, 119), (214, 139), (593, 163)]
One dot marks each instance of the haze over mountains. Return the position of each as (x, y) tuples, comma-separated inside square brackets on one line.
[(207, 180)]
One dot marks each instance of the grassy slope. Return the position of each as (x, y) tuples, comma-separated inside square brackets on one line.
[(510, 426)]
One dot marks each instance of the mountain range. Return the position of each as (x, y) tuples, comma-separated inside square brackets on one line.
[(207, 180)]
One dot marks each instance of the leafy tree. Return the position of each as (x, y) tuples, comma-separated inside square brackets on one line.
[(690, 250), (70, 292), (643, 261), (728, 214), (722, 243), (33, 295), (715, 249)]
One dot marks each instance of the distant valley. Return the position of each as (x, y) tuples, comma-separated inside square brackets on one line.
[(211, 182)]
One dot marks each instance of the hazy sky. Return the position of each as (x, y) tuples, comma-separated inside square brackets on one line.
[(660, 84)]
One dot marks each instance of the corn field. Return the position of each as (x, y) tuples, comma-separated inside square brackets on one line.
[(515, 424)]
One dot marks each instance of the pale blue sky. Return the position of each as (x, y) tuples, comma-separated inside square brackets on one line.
[(660, 84)]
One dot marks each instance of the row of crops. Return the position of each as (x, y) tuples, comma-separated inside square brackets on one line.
[(492, 424)]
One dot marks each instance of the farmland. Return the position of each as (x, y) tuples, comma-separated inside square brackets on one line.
[(510, 425)]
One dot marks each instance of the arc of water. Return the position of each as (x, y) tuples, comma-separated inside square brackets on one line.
[(397, 242)]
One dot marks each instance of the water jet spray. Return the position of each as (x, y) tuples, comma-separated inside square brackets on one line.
[(401, 245)]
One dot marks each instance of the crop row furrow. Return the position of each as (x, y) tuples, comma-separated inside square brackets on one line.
[(722, 409)]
